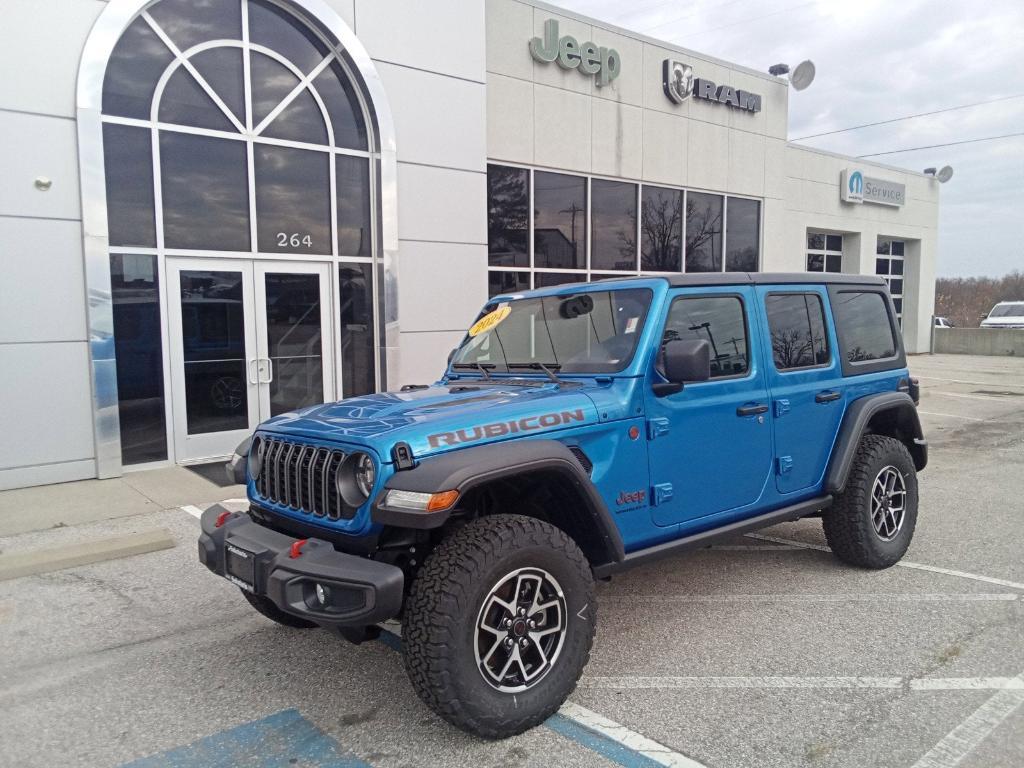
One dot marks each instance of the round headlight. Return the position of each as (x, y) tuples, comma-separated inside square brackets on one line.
[(366, 474), (255, 457)]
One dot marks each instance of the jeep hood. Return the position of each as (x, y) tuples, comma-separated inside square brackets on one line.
[(441, 417)]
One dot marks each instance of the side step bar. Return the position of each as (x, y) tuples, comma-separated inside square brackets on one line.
[(707, 538)]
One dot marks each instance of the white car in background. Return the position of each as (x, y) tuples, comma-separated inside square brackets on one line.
[(1005, 314)]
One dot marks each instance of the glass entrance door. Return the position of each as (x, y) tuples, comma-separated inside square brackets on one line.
[(248, 340)]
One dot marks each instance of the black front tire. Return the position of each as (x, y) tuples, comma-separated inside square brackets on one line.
[(849, 528), (445, 605), (266, 607)]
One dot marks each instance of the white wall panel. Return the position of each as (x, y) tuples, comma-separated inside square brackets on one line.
[(443, 285), (441, 204), (437, 118), (44, 286), (746, 163), (707, 156), (445, 37), (42, 42), (628, 87), (561, 135), (346, 9), (509, 119), (35, 146), (617, 139), (509, 29), (47, 404), (664, 148), (425, 355)]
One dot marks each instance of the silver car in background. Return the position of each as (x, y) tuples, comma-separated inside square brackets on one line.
[(1005, 314)]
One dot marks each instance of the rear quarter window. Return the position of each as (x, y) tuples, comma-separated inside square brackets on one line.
[(869, 339)]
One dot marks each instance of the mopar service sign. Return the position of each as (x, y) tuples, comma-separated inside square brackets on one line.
[(678, 82), (855, 187), (588, 58)]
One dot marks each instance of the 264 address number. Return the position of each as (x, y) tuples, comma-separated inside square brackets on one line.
[(293, 240)]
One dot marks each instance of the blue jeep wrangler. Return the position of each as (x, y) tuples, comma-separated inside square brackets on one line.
[(579, 430)]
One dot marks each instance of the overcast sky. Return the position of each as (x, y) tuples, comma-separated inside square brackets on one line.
[(879, 59)]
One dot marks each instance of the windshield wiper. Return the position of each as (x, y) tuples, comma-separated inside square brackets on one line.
[(482, 367), (548, 368)]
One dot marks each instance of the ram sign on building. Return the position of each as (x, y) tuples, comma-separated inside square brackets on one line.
[(212, 213)]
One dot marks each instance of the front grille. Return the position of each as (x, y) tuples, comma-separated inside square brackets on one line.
[(302, 477)]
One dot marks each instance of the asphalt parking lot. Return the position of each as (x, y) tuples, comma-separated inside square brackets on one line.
[(764, 651)]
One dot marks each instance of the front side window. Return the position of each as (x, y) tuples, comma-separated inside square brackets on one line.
[(591, 332), (720, 321), (796, 322), (862, 320)]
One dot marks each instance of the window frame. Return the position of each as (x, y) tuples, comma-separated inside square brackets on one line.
[(850, 368), (825, 324), (746, 328), (824, 251)]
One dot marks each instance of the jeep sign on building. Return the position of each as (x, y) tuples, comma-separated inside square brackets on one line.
[(215, 213)]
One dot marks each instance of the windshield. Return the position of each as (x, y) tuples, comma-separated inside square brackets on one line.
[(1008, 310), (593, 332)]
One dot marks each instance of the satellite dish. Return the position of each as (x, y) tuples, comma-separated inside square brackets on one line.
[(945, 174), (803, 75)]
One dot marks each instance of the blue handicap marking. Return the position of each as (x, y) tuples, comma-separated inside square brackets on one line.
[(285, 739)]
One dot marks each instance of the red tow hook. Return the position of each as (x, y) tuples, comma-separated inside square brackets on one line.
[(296, 549), (221, 519)]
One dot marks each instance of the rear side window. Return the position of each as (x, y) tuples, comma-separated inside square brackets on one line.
[(862, 322), (720, 321), (796, 322)]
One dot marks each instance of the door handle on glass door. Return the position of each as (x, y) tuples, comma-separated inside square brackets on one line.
[(752, 410), (270, 370), (827, 396), (248, 369)]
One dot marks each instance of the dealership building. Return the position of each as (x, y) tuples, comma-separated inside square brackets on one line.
[(215, 211)]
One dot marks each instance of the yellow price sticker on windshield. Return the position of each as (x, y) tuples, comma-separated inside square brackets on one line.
[(488, 321)]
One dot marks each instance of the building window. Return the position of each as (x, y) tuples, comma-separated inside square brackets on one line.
[(358, 369), (824, 252), (717, 319), (796, 322), (546, 228), (889, 264)]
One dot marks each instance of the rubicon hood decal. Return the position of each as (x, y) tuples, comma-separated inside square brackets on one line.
[(502, 428)]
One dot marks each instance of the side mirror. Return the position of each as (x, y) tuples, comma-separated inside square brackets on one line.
[(684, 360)]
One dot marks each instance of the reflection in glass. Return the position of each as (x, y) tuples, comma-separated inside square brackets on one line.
[(559, 220), (815, 262), (271, 82), (862, 321), (507, 282), (205, 192), (135, 293), (275, 28), (189, 23), (797, 326), (719, 321), (703, 232), (294, 341), (881, 266), (301, 120), (356, 313), (897, 266), (833, 262), (834, 242), (741, 235), (883, 246), (292, 200), (184, 102), (613, 225), (127, 158), (222, 70), (339, 96), (508, 216), (815, 241), (138, 60), (897, 248), (661, 230), (213, 341), (548, 279), (352, 175)]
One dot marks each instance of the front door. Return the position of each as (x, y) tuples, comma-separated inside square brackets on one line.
[(711, 447), (248, 340)]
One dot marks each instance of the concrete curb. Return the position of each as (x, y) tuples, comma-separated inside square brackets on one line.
[(18, 564)]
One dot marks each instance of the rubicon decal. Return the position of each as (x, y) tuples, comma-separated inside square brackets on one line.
[(501, 428)]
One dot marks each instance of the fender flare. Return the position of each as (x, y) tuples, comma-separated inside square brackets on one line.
[(855, 424), (468, 468)]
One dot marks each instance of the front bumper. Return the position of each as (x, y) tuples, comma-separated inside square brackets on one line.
[(360, 591)]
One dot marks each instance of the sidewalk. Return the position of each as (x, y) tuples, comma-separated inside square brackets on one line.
[(134, 493)]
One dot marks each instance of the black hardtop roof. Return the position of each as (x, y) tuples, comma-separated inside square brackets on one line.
[(758, 278)]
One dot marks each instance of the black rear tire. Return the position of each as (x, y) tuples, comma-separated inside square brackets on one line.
[(265, 606), (454, 593), (850, 524)]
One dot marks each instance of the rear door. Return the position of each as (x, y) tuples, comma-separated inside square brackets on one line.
[(710, 447), (804, 379)]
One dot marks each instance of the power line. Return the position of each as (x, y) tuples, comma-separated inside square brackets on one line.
[(701, 12), (747, 21), (907, 117), (948, 144)]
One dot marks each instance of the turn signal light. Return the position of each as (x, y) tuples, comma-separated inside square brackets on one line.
[(442, 500)]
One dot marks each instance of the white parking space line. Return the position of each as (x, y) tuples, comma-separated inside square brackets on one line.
[(752, 547), (971, 397), (950, 415), (901, 563), (903, 597), (1002, 384), (630, 739), (962, 740), (785, 682), (193, 510)]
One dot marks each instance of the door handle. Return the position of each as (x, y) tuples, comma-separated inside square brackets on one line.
[(248, 369), (270, 370), (752, 410), (827, 396)]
